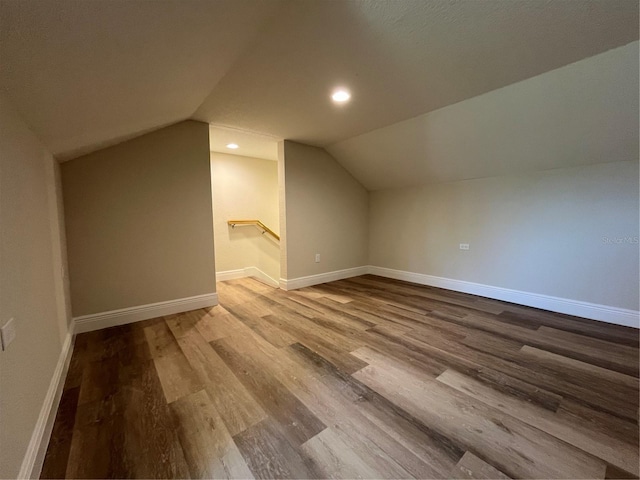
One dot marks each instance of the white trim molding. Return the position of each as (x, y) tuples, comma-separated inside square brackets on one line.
[(246, 272), (260, 275), (230, 275), (97, 321), (34, 457), (604, 313), (300, 282)]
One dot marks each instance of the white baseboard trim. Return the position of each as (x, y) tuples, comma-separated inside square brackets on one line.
[(300, 282), (260, 275), (34, 457), (97, 321), (230, 275), (246, 272), (604, 313)]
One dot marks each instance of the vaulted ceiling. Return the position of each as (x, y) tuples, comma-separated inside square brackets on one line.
[(85, 74)]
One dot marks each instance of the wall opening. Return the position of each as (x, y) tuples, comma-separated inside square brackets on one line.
[(244, 183)]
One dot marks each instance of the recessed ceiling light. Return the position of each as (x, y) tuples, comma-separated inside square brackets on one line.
[(232, 146), (341, 95)]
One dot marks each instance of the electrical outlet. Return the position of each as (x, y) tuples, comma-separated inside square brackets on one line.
[(8, 333), (464, 246), (317, 258)]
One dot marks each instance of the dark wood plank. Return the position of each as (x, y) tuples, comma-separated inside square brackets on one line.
[(501, 439), (128, 433), (591, 328), (151, 445), (208, 447), (618, 473), (294, 418), (329, 346), (611, 450), (363, 377), (97, 446), (57, 456), (76, 364), (237, 407), (424, 452), (504, 377), (252, 318), (599, 421), (270, 455), (465, 359)]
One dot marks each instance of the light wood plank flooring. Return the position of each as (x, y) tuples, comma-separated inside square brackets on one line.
[(359, 378)]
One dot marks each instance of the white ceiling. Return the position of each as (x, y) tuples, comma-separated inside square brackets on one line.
[(249, 144), (589, 116), (401, 59), (85, 74)]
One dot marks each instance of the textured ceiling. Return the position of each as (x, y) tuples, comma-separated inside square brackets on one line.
[(84, 74)]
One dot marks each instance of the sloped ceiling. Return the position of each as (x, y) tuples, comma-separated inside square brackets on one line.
[(580, 114), (401, 59), (87, 73)]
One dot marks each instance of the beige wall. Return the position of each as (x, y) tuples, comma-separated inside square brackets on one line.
[(326, 213), (532, 226), (59, 244), (139, 221), (245, 188), (282, 209), (31, 284), (541, 232)]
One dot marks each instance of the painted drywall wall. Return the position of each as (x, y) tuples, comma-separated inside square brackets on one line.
[(139, 221), (245, 188), (59, 244), (570, 233), (282, 209), (31, 284), (326, 213), (530, 226)]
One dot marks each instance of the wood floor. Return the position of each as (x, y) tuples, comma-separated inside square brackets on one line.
[(359, 378)]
